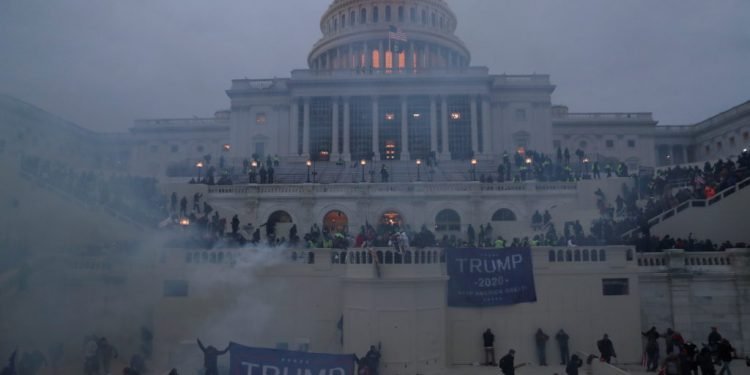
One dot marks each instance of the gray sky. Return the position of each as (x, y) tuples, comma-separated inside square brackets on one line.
[(104, 63)]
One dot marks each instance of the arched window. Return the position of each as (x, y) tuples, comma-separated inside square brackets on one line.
[(447, 220), (568, 255), (363, 16), (413, 15), (577, 255), (343, 21), (585, 255), (504, 214), (424, 17), (434, 20), (352, 18), (602, 255), (335, 24), (376, 59), (594, 256), (560, 257), (401, 13), (387, 13), (375, 15), (551, 256)]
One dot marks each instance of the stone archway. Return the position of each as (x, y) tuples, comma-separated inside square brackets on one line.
[(278, 224)]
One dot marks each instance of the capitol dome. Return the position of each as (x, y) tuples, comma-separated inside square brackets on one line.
[(388, 35)]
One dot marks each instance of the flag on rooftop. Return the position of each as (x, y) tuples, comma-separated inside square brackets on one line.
[(396, 33)]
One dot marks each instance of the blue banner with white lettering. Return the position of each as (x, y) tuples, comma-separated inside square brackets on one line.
[(490, 277), (244, 360)]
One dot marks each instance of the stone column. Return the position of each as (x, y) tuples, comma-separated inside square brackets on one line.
[(740, 259), (346, 154), (294, 127), (381, 56), (335, 132), (410, 58), (446, 154), (404, 129), (368, 57), (426, 57), (306, 128), (474, 126), (433, 125), (486, 127), (375, 128)]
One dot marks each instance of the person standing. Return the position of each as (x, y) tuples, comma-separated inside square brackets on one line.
[(541, 339), (726, 353), (652, 349), (506, 363), (211, 358), (562, 342), (606, 349), (372, 359), (489, 347), (105, 353)]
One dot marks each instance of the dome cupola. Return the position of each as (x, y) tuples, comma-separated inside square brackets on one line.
[(388, 36)]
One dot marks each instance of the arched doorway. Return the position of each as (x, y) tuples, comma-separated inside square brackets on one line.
[(278, 224), (447, 221), (336, 221), (391, 220), (504, 214)]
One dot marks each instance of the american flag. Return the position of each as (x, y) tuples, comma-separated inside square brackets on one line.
[(395, 33)]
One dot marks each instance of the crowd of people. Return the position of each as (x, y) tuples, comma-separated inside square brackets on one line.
[(684, 357), (137, 198)]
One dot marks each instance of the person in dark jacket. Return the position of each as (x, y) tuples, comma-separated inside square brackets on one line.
[(541, 339), (706, 362), (507, 363), (726, 353), (372, 359), (562, 341), (573, 365), (652, 349), (489, 347), (606, 349), (211, 358)]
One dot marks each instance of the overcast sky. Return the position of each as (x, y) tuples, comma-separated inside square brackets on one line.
[(104, 63)]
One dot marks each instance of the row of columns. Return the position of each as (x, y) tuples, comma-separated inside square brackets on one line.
[(345, 152), (350, 57)]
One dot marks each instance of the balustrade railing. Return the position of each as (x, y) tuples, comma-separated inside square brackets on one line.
[(393, 188), (718, 261)]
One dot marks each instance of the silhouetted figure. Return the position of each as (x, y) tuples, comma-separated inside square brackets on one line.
[(105, 353), (372, 359), (235, 225), (10, 369), (507, 363), (573, 365), (138, 364), (270, 174), (540, 338), (173, 372), (562, 342), (211, 358), (606, 349), (183, 206), (263, 175), (489, 347), (652, 349)]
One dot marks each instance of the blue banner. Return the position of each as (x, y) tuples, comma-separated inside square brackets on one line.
[(244, 360), (490, 277)]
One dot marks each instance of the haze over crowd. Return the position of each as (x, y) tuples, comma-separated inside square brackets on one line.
[(104, 64)]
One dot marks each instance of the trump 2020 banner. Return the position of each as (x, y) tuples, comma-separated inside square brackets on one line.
[(244, 360), (491, 277)]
